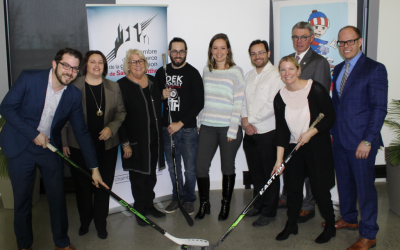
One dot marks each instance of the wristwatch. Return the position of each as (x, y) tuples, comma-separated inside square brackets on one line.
[(367, 143)]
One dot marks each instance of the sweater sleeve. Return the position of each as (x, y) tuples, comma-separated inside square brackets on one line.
[(238, 93), (282, 135), (325, 105)]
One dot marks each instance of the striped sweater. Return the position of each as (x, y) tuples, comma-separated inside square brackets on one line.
[(223, 95)]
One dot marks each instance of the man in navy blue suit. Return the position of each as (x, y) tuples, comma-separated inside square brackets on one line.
[(360, 100), (36, 109)]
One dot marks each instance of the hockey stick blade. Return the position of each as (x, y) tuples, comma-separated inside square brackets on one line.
[(179, 241)]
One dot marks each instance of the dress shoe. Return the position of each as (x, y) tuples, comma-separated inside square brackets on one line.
[(282, 204), (83, 230), (305, 216), (328, 233), (253, 212), (263, 221), (25, 248), (155, 213), (339, 224), (363, 244), (289, 229), (102, 234), (141, 222), (70, 247)]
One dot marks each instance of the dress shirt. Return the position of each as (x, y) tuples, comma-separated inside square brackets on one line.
[(301, 55), (352, 64), (50, 107), (258, 102)]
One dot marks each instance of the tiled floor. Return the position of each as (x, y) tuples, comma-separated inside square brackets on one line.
[(124, 233)]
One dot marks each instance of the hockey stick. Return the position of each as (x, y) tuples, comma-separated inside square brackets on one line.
[(243, 214), (183, 210), (179, 241)]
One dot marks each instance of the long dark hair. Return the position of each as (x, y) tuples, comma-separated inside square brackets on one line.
[(229, 60)]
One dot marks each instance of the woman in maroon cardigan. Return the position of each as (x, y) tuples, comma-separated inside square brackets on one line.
[(296, 106)]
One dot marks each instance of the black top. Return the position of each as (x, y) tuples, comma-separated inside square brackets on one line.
[(187, 94), (319, 101), (95, 123), (146, 92), (137, 125)]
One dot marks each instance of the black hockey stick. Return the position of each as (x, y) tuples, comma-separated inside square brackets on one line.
[(179, 241), (183, 210), (243, 214)]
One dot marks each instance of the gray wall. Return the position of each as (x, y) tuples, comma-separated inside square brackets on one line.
[(3, 56)]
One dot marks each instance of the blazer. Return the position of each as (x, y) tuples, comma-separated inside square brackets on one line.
[(114, 113), (318, 102), (316, 67), (136, 127), (362, 108), (22, 108)]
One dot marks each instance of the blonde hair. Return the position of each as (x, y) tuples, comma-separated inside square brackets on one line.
[(289, 59), (134, 52), (229, 60)]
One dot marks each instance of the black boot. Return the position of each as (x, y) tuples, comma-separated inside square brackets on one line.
[(289, 229), (204, 192), (228, 183), (328, 233)]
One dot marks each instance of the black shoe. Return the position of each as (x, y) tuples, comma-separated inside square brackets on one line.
[(83, 230), (305, 216), (228, 184), (141, 222), (155, 213), (253, 212), (102, 234), (189, 207), (287, 232), (263, 221), (204, 193), (328, 233)]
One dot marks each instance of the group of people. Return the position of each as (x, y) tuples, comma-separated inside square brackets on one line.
[(273, 105)]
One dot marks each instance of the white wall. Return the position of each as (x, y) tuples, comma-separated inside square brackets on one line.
[(388, 36)]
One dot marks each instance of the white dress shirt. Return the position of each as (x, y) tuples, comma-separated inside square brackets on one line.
[(301, 55), (258, 102)]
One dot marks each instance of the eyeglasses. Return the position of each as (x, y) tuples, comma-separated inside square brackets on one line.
[(260, 53), (302, 38), (180, 52), (66, 66), (137, 62), (349, 42)]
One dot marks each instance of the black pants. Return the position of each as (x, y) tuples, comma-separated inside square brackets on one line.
[(93, 203), (294, 179), (261, 157), (142, 185)]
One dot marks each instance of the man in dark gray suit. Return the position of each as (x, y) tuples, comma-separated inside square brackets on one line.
[(315, 67)]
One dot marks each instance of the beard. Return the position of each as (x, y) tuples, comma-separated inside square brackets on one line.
[(59, 77), (178, 64)]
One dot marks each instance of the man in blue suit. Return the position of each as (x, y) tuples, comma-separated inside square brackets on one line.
[(360, 100), (36, 109)]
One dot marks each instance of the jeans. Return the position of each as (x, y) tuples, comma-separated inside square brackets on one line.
[(185, 147)]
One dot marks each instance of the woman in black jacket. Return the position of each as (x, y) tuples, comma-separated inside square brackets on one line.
[(141, 132), (296, 106)]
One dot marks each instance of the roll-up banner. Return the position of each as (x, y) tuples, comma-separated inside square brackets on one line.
[(114, 29)]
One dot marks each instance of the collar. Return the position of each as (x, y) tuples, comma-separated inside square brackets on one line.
[(302, 54), (355, 59)]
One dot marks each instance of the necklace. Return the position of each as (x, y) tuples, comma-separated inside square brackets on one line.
[(99, 112)]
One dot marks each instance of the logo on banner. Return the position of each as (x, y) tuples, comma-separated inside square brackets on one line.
[(139, 27)]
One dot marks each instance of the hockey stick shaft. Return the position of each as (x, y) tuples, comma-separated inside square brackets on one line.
[(189, 219), (244, 212), (126, 204)]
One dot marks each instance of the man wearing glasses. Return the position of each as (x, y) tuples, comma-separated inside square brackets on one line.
[(315, 67), (36, 109), (258, 121), (360, 99), (184, 94)]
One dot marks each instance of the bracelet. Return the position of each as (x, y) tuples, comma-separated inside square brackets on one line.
[(125, 145)]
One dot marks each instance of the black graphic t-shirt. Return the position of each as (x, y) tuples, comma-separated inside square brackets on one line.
[(187, 94)]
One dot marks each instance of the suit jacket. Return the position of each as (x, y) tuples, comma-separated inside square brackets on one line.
[(114, 113), (362, 108), (22, 108), (316, 67)]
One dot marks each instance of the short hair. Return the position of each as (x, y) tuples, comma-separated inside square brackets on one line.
[(128, 55), (86, 60), (258, 41), (304, 25), (289, 59), (176, 40), (355, 29), (210, 62), (72, 52)]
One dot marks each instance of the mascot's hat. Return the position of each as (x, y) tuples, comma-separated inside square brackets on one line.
[(318, 18)]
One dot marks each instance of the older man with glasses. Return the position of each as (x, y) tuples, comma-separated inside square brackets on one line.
[(315, 67)]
